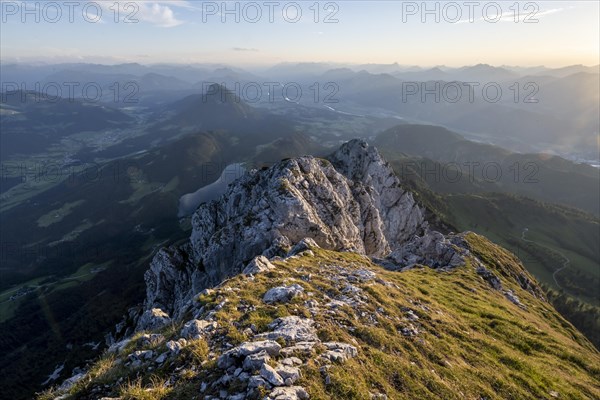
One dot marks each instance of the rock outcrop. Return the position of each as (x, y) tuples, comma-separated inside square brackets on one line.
[(432, 249), (351, 201)]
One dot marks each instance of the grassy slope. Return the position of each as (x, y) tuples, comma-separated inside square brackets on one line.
[(473, 343), (556, 230)]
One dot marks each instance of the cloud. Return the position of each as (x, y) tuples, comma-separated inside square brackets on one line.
[(510, 17), (548, 12), (179, 3), (158, 13), (244, 49)]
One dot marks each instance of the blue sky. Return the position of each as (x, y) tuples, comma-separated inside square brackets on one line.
[(563, 33)]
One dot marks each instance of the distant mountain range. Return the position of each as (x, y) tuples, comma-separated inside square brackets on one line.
[(533, 109)]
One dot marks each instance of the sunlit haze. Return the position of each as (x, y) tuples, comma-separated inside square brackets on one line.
[(551, 33)]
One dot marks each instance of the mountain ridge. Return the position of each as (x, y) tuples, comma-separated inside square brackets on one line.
[(290, 280)]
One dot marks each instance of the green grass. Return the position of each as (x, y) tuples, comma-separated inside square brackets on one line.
[(138, 390), (554, 231), (472, 341), (54, 216)]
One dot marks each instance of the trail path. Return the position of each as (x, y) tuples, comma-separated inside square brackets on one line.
[(566, 259)]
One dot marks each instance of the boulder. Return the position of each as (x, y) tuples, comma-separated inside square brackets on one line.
[(303, 348), (282, 294), (432, 249), (195, 329), (288, 393), (339, 352), (162, 358), (489, 276), (303, 245), (118, 347), (69, 383), (257, 265), (289, 374), (292, 329), (152, 320), (258, 381), (151, 339), (255, 361), (141, 355), (176, 346), (232, 356), (271, 376)]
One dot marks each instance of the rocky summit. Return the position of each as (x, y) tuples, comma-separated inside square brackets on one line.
[(319, 278), (351, 201)]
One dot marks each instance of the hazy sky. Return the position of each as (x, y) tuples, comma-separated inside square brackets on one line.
[(558, 33)]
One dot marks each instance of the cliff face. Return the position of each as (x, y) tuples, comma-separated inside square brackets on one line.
[(351, 201)]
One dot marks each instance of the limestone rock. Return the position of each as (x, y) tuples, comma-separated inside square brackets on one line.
[(379, 190), (288, 393), (490, 277), (432, 249), (69, 383), (289, 374), (300, 348), (352, 201), (292, 329), (195, 329), (247, 348), (118, 347), (303, 245), (340, 352), (151, 339), (258, 381), (255, 361), (176, 346), (282, 294), (232, 356), (258, 264), (153, 319), (142, 355), (271, 376), (173, 280)]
